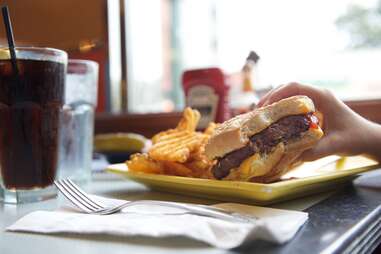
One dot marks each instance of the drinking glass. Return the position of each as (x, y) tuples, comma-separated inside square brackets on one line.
[(31, 102), (78, 121)]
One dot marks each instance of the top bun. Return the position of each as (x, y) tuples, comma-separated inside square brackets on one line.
[(235, 133)]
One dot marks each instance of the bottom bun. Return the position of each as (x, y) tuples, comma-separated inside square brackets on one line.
[(270, 167), (284, 165), (293, 152)]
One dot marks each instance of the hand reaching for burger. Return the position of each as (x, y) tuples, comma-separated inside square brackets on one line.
[(346, 132)]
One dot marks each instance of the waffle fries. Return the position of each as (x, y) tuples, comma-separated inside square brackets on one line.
[(142, 163), (177, 146), (178, 151), (187, 124), (189, 121)]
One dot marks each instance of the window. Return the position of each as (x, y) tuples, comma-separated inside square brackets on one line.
[(333, 44)]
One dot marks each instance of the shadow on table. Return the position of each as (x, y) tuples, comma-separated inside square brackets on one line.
[(167, 242), (176, 242), (299, 204), (157, 195)]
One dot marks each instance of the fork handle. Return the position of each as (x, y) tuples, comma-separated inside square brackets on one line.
[(202, 210)]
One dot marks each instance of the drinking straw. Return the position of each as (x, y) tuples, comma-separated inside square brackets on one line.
[(11, 42)]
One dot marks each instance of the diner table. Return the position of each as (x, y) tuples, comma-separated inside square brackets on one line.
[(347, 220)]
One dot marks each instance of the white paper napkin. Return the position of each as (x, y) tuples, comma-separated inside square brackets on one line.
[(274, 225)]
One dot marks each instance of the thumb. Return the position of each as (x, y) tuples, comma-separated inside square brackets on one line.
[(326, 146)]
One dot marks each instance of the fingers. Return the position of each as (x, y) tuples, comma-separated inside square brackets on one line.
[(288, 90), (282, 92), (325, 101), (267, 96), (326, 146)]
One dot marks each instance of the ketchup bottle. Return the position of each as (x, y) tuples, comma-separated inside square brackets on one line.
[(207, 91)]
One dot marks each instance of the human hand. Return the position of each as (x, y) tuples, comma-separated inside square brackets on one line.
[(345, 132)]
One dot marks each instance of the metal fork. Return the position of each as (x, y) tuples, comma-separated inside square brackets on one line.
[(87, 204)]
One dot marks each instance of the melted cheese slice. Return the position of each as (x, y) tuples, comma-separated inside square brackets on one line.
[(259, 165)]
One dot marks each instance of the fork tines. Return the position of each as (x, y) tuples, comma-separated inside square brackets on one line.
[(77, 196)]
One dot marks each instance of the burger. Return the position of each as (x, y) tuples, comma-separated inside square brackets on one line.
[(262, 145)]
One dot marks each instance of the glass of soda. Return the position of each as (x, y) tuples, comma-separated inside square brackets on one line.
[(31, 104), (77, 123)]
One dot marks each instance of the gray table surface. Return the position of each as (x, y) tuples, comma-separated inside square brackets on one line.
[(344, 220)]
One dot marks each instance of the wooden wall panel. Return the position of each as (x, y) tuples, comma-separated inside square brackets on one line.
[(370, 109), (64, 24), (145, 124), (57, 23), (149, 124)]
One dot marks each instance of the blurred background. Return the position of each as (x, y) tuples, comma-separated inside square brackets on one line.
[(144, 46)]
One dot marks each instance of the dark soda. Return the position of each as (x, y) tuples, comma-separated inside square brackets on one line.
[(30, 108)]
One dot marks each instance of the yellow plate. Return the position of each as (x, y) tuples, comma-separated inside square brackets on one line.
[(313, 177)]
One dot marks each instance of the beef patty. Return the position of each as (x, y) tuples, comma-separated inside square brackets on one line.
[(285, 129)]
